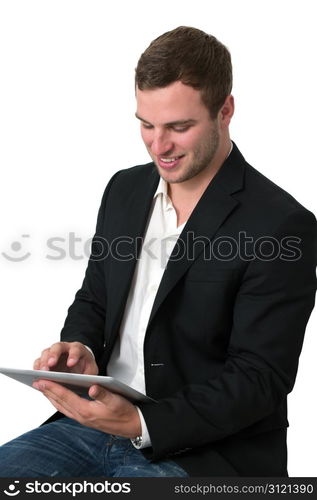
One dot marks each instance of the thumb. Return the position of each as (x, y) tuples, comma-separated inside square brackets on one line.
[(99, 393)]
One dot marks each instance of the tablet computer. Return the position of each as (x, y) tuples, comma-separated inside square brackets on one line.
[(76, 382)]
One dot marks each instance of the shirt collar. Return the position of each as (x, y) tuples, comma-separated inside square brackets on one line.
[(161, 188)]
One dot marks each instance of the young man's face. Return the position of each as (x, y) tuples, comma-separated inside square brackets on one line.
[(178, 131)]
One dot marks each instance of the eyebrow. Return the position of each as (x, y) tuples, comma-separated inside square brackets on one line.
[(170, 124)]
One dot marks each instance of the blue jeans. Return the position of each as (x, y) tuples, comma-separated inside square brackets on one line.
[(65, 448)]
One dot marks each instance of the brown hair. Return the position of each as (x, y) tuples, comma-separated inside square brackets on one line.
[(191, 56)]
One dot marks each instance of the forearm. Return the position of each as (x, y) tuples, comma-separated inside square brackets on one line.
[(85, 323), (240, 398)]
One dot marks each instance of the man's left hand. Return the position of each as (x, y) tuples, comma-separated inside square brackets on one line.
[(108, 412)]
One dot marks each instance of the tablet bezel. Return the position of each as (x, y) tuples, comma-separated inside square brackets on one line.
[(78, 383)]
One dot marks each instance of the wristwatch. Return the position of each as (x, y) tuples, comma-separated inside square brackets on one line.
[(137, 441)]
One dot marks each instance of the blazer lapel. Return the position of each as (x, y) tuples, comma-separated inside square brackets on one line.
[(213, 208)]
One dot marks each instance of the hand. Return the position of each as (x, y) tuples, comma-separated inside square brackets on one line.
[(70, 357), (108, 412)]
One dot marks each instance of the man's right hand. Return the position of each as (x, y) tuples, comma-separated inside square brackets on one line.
[(71, 357)]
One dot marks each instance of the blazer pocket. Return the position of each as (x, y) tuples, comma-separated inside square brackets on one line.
[(201, 274)]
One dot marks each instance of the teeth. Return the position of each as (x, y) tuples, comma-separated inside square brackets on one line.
[(168, 160)]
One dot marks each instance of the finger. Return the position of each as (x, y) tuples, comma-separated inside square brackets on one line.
[(100, 394), (78, 353), (41, 362), (60, 395), (47, 359), (55, 352), (36, 364), (60, 408)]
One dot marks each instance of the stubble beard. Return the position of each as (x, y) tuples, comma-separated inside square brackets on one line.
[(202, 159)]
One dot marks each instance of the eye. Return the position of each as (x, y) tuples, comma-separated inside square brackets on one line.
[(181, 129), (147, 126)]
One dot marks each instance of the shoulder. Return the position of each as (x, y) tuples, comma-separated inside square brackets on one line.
[(130, 188), (126, 181), (265, 193), (263, 199), (262, 204), (138, 173)]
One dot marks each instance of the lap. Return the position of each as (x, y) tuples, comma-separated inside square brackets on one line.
[(65, 448), (61, 448)]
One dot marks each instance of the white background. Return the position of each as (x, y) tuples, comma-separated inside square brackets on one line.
[(67, 124)]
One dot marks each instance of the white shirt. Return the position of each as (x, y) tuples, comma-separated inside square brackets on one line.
[(127, 362)]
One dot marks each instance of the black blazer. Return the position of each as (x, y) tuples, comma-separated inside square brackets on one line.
[(226, 329)]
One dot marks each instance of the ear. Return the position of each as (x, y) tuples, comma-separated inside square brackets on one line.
[(226, 112)]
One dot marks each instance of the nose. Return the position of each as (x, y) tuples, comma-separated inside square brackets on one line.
[(161, 143)]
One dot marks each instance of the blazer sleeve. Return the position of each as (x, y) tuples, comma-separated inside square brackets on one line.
[(85, 320), (271, 310)]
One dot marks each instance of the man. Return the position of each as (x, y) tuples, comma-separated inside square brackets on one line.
[(198, 291)]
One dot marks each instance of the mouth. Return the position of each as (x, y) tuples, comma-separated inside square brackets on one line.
[(167, 163)]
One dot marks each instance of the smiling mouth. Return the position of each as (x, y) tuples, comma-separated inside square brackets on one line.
[(169, 162)]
